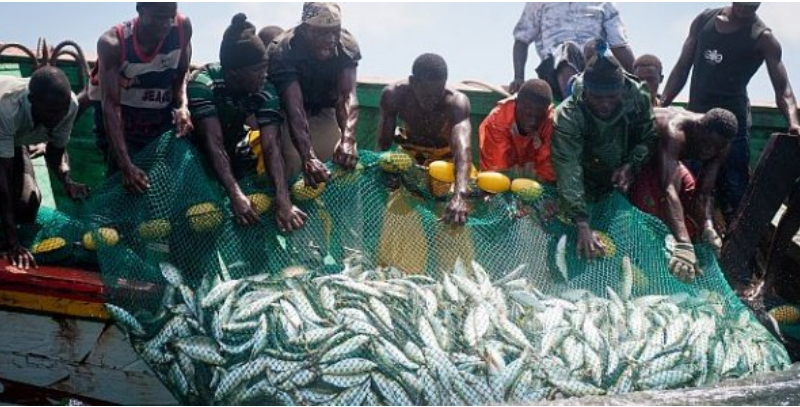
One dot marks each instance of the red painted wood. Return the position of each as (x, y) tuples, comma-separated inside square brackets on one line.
[(65, 282)]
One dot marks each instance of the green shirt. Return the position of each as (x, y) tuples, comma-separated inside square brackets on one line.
[(587, 150), (208, 97)]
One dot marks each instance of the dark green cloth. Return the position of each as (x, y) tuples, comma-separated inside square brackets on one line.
[(208, 97), (587, 150), (291, 59)]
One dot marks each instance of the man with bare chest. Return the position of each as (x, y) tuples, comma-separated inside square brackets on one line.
[(434, 124), (666, 189)]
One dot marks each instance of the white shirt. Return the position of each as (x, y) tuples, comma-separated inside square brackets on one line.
[(16, 122), (550, 24)]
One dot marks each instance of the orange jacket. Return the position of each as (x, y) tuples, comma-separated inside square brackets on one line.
[(503, 148)]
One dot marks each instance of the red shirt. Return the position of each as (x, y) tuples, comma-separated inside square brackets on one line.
[(503, 147)]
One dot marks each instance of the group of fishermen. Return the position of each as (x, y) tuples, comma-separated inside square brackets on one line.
[(592, 123)]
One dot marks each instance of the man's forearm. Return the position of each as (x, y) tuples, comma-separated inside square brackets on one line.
[(520, 59), (6, 204), (676, 217), (675, 83), (788, 106), (275, 165), (298, 133), (222, 167), (347, 117), (58, 162), (113, 123), (625, 57)]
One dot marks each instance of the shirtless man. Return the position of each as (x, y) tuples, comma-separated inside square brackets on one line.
[(724, 50), (666, 189), (436, 124)]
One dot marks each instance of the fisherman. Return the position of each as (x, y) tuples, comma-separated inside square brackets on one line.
[(666, 189), (649, 70), (559, 31), (313, 66), (269, 34), (724, 49), (603, 135), (39, 109), (139, 86), (435, 124), (221, 98), (516, 135)]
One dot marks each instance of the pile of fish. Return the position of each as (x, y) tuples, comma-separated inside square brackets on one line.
[(377, 337)]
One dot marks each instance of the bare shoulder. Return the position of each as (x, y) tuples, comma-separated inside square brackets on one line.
[(458, 100), (108, 46), (394, 93), (187, 25), (768, 43)]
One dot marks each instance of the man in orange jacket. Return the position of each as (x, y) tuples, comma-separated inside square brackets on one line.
[(515, 136)]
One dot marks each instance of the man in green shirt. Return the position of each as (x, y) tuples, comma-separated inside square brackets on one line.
[(603, 134), (221, 98)]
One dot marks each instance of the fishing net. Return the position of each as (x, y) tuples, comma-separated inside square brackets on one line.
[(377, 302)]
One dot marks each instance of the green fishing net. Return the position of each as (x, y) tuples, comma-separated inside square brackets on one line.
[(377, 302)]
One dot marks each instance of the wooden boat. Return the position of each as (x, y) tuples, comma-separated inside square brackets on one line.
[(56, 337)]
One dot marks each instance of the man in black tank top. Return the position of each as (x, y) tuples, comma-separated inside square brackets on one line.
[(725, 48)]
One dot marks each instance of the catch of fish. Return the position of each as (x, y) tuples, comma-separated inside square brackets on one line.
[(379, 337)]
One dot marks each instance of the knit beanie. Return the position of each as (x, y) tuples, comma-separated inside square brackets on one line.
[(241, 46), (603, 73)]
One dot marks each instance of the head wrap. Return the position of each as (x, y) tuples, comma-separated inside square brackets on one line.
[(323, 15)]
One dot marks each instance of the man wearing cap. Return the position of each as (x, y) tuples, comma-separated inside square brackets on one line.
[(222, 97), (603, 135), (559, 31), (725, 48), (516, 135), (313, 66), (138, 87)]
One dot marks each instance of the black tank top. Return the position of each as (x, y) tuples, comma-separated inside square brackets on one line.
[(723, 65)]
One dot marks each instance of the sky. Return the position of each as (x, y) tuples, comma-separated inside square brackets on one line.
[(474, 38)]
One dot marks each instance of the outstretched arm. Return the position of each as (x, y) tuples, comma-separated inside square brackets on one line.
[(57, 160), (209, 130), (460, 145), (387, 122), (183, 120), (287, 216), (292, 101), (625, 57), (770, 48), (668, 154), (17, 255), (680, 73), (346, 153), (520, 59), (109, 54)]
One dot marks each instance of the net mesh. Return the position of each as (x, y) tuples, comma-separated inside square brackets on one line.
[(377, 302)]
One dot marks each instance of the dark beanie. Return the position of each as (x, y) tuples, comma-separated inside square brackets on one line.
[(241, 46), (603, 73)]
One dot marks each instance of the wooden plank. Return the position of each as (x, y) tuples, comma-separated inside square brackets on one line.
[(84, 357), (53, 305), (772, 181)]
